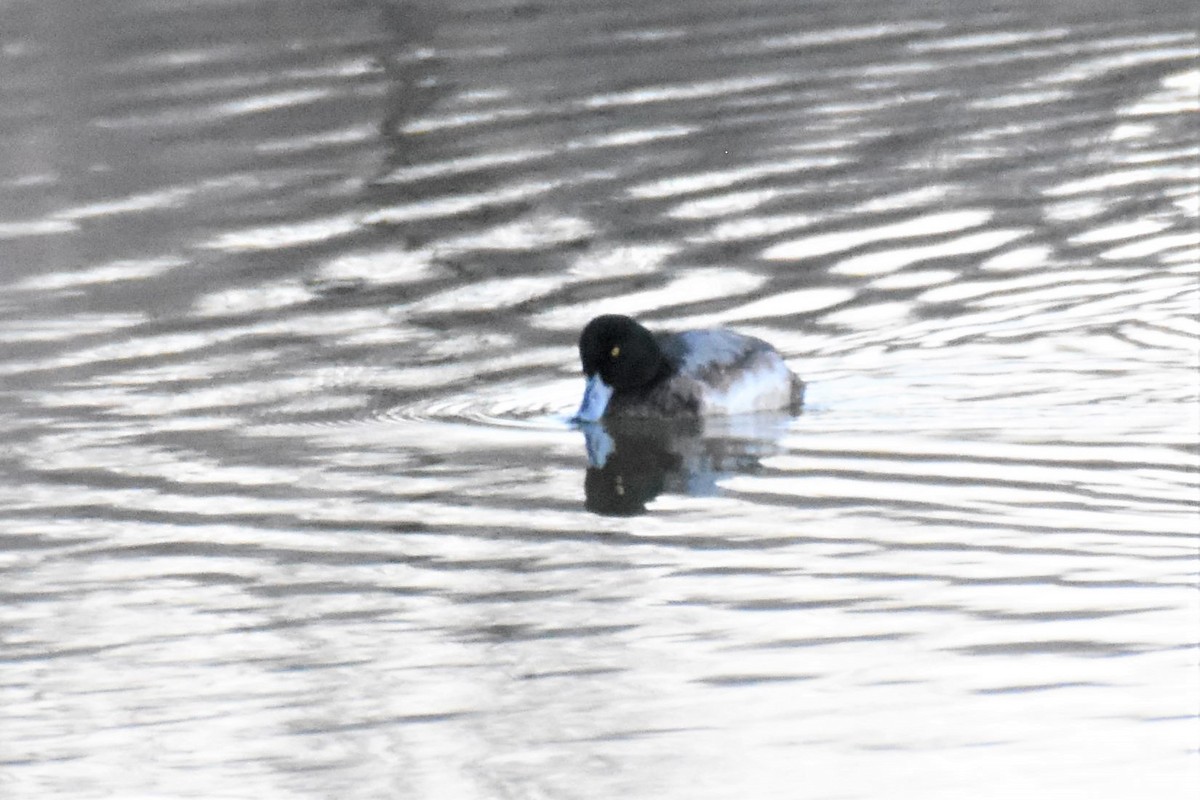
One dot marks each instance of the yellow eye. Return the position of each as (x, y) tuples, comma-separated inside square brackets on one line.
[(616, 351)]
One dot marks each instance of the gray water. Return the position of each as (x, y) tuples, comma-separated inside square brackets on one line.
[(290, 506)]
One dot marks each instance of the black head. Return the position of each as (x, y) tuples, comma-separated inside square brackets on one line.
[(624, 353)]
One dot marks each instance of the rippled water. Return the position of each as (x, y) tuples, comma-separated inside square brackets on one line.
[(289, 505)]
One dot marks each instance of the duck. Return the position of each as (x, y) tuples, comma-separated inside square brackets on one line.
[(632, 372)]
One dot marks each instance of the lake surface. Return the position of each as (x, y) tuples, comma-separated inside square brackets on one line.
[(290, 506)]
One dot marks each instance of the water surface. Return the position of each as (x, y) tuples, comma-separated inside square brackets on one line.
[(289, 502)]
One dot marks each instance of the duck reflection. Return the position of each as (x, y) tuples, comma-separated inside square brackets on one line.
[(632, 461)]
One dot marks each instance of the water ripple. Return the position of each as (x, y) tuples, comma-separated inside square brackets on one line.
[(289, 351)]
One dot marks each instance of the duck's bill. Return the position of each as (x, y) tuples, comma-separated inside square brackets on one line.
[(595, 399), (599, 445)]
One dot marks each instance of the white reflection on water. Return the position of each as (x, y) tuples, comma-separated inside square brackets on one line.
[(1116, 179), (834, 36), (993, 39), (457, 166), (1122, 230), (457, 204), (288, 235), (108, 273), (694, 286), (489, 294), (915, 279), (721, 179), (753, 227), (886, 261), (784, 304), (1188, 242), (390, 265), (528, 234), (37, 227), (689, 91), (75, 327), (623, 260), (824, 244), (724, 204)]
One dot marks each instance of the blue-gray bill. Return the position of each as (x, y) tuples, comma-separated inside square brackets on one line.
[(599, 444), (595, 399)]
